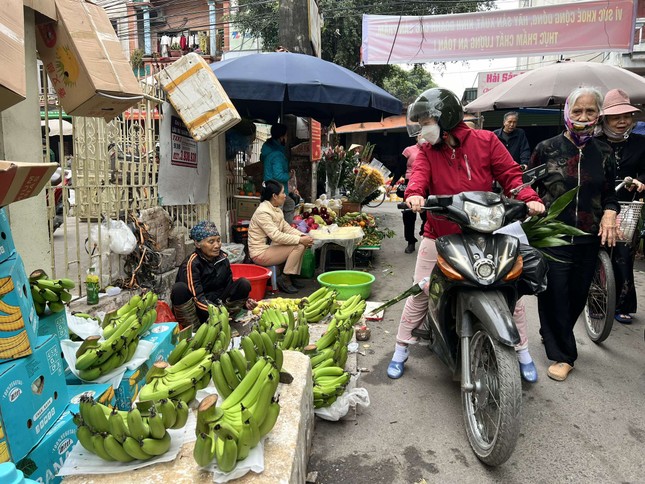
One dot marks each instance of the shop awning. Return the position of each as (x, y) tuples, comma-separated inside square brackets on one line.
[(391, 123)]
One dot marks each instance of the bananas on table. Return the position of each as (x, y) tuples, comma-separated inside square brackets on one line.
[(214, 335), (228, 432), (122, 334), (280, 303), (122, 436), (49, 292), (180, 381)]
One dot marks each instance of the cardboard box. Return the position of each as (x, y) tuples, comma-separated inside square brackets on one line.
[(7, 246), (198, 97), (33, 397), (85, 62), (13, 82), (53, 323), (18, 319), (45, 460), (20, 180), (101, 392), (44, 7)]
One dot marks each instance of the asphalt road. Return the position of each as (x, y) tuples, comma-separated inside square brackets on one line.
[(590, 428)]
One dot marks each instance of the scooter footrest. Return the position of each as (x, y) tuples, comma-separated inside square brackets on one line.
[(422, 333)]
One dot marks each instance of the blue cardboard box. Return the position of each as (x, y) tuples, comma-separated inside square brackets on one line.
[(18, 319), (45, 460), (7, 246), (101, 392), (33, 397), (53, 323)]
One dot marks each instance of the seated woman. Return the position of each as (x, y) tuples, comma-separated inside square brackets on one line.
[(287, 243), (205, 277)]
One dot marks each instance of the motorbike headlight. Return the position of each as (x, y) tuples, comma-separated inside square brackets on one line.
[(485, 218)]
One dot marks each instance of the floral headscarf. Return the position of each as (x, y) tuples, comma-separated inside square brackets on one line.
[(203, 229)]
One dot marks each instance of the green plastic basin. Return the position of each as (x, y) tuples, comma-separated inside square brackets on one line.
[(348, 283)]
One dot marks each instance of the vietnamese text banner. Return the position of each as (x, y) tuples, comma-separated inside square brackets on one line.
[(556, 29)]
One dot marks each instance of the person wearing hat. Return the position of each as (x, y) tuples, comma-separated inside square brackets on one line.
[(205, 277), (629, 150)]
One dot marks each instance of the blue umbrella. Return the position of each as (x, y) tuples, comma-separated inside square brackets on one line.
[(267, 86)]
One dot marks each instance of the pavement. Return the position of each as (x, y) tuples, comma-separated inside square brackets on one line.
[(590, 428)]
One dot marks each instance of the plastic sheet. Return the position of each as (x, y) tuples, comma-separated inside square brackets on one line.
[(235, 252), (347, 237), (353, 396), (534, 271)]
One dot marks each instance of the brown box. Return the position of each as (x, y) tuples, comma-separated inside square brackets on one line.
[(13, 84), (44, 7), (23, 180), (85, 63)]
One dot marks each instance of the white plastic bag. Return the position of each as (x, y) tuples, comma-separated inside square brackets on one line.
[(353, 396), (122, 240)]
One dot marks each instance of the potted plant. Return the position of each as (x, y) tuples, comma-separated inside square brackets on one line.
[(136, 61), (175, 50)]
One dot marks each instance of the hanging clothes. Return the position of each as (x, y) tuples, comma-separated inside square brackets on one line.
[(183, 42)]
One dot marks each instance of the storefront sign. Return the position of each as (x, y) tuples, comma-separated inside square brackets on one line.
[(314, 138), (555, 29), (488, 80), (184, 147)]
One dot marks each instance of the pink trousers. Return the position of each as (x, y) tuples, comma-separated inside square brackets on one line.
[(416, 306)]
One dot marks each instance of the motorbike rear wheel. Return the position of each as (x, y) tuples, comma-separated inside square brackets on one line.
[(601, 301), (492, 410)]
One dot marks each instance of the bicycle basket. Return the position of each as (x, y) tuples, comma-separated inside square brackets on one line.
[(630, 213)]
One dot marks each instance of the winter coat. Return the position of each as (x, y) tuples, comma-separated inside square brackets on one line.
[(478, 160), (276, 165), (268, 222), (516, 144), (206, 279)]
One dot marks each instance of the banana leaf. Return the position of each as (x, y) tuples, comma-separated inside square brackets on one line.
[(559, 204), (412, 291), (549, 242)]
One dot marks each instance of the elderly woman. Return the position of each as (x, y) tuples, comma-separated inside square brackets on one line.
[(287, 243), (575, 159), (629, 149), (205, 277)]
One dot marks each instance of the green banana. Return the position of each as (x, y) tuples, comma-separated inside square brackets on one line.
[(269, 347), (178, 352), (239, 362), (98, 420), (138, 428), (168, 412), (84, 436), (187, 395), (259, 408), (250, 354), (234, 398), (328, 339), (132, 447), (182, 415), (117, 426), (56, 307), (189, 360), (249, 419), (99, 447), (156, 446), (198, 337), (220, 380), (257, 341), (279, 358), (204, 449), (226, 453), (228, 370), (65, 283), (155, 423), (271, 417), (244, 441), (37, 297), (320, 356), (327, 371), (115, 450), (317, 294)]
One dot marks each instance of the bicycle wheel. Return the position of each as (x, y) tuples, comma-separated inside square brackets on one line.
[(601, 301), (378, 201)]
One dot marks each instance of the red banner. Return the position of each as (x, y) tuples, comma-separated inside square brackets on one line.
[(314, 138), (556, 29)]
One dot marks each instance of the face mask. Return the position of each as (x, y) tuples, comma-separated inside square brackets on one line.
[(430, 134), (613, 136), (580, 132)]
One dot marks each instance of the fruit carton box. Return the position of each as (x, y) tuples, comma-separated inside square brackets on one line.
[(33, 397), (45, 460), (101, 392), (164, 337), (7, 247), (18, 319), (53, 323)]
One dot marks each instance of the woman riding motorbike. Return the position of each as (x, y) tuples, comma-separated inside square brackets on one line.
[(453, 159)]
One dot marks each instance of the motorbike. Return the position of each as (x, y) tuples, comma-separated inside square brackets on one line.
[(472, 291)]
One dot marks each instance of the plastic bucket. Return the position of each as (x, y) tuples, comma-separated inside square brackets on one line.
[(257, 276), (348, 283)]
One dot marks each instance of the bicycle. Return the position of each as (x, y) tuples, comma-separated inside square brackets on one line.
[(601, 302)]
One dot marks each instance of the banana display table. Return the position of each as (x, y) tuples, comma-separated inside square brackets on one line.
[(286, 448)]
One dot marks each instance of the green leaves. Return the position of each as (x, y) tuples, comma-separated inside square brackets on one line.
[(545, 232)]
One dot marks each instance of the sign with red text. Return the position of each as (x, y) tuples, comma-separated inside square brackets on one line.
[(488, 80), (184, 147), (554, 29), (314, 137)]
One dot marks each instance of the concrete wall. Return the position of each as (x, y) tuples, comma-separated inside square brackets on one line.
[(217, 190), (21, 140)]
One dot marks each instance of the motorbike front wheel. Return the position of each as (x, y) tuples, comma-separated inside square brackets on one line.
[(492, 409)]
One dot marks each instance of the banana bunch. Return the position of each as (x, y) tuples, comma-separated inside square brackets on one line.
[(122, 436), (272, 318), (229, 432), (351, 311), (214, 335), (95, 358), (143, 308), (283, 304), (180, 381), (49, 292), (293, 337), (319, 305), (329, 383), (257, 344)]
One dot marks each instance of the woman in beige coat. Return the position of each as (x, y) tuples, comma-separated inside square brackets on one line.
[(287, 244)]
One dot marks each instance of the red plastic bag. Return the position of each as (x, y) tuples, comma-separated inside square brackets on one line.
[(164, 313)]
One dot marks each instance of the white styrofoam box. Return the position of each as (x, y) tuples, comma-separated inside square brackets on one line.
[(198, 97)]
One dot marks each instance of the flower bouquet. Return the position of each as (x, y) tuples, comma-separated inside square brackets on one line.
[(334, 159), (366, 182)]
